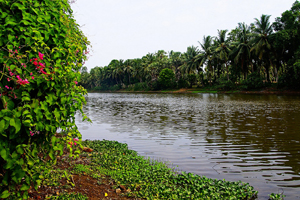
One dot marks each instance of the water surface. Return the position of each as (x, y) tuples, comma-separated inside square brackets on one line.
[(252, 138)]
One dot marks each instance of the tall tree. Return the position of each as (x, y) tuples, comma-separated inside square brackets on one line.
[(205, 56), (261, 44), (222, 49), (242, 48)]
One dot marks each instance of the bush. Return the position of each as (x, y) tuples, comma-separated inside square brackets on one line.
[(41, 53), (226, 85), (141, 87), (166, 78), (254, 81), (182, 83), (291, 78)]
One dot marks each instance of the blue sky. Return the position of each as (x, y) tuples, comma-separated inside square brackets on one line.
[(126, 29)]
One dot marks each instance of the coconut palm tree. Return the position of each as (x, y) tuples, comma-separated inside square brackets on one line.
[(261, 45), (191, 61), (242, 48), (222, 49), (205, 56)]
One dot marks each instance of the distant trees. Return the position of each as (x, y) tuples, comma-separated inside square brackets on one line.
[(248, 56)]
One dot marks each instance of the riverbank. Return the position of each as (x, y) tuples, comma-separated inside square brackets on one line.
[(112, 171), (266, 90)]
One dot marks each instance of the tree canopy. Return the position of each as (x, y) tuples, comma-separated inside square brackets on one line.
[(267, 51)]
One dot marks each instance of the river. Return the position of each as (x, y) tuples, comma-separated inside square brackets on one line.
[(252, 138)]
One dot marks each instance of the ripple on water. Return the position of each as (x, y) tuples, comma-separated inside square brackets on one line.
[(253, 138)]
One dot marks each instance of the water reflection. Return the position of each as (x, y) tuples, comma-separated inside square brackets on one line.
[(253, 138)]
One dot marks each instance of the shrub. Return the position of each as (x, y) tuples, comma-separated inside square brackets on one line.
[(41, 53), (166, 78), (140, 87), (254, 81)]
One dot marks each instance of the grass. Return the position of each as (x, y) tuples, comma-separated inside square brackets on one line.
[(205, 91)]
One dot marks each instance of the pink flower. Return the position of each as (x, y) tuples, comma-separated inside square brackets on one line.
[(32, 77), (6, 87), (8, 79), (30, 73), (75, 82), (41, 64), (22, 82), (10, 73), (74, 143), (41, 56), (35, 63), (31, 133)]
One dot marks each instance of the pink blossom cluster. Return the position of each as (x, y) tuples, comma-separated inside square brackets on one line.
[(71, 143), (33, 133), (39, 66), (22, 82)]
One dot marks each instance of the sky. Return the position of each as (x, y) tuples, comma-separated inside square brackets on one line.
[(127, 29)]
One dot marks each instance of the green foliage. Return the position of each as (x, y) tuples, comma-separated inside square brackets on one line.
[(166, 78), (155, 180), (141, 87), (276, 196), (225, 85), (254, 81), (291, 78), (261, 49), (41, 53)]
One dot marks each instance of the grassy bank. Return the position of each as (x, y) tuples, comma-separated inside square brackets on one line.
[(266, 90), (112, 171)]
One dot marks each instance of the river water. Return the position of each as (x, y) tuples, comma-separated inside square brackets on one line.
[(252, 138)]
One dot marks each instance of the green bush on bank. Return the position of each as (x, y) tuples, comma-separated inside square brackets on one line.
[(41, 52)]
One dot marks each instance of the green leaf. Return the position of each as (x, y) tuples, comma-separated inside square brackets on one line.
[(5, 194), (9, 163), (20, 149), (30, 163), (27, 123), (25, 99), (10, 105), (3, 154), (57, 115), (12, 122), (20, 6), (11, 38), (18, 125), (25, 187), (4, 14), (2, 128)]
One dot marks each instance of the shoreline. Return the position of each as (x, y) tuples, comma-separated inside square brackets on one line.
[(265, 91), (109, 170)]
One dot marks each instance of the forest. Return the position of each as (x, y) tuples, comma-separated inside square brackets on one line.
[(251, 56)]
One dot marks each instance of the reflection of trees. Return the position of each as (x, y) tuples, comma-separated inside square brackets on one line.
[(261, 124)]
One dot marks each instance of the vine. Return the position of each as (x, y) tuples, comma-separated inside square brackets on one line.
[(41, 52)]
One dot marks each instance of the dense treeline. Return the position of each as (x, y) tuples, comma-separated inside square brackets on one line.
[(248, 57)]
